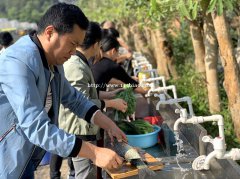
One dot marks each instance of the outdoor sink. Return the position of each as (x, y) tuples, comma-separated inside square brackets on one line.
[(172, 171), (191, 135)]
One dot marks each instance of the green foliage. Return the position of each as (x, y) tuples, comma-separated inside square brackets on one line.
[(128, 96), (100, 10), (183, 9), (189, 9), (135, 127), (212, 5), (220, 5), (230, 137), (195, 10), (193, 84), (182, 46), (23, 10)]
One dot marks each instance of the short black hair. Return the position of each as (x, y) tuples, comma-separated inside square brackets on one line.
[(93, 35), (110, 32), (6, 39), (108, 43), (63, 17)]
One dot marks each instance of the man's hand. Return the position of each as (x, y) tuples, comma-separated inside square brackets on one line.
[(107, 159), (102, 157), (109, 126), (115, 131)]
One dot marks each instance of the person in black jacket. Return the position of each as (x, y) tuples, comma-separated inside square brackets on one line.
[(107, 69)]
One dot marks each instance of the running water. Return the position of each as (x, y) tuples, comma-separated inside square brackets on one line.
[(180, 151)]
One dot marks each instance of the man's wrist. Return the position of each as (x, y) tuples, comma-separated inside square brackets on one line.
[(88, 150)]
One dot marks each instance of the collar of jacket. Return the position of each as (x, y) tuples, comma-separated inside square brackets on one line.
[(80, 55), (35, 39)]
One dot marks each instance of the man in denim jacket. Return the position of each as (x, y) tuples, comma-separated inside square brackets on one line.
[(32, 86)]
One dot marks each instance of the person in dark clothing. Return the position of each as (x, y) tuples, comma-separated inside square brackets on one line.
[(106, 68), (125, 55), (6, 40), (110, 32)]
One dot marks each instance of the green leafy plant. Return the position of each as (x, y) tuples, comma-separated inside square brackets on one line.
[(128, 96)]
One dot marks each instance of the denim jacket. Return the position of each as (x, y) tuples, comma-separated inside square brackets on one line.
[(25, 128)]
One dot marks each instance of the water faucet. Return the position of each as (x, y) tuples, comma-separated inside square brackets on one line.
[(140, 66), (136, 70), (153, 72), (203, 162), (153, 88), (182, 119), (200, 119), (162, 89), (137, 54), (163, 100)]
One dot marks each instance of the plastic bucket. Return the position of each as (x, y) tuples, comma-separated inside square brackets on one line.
[(154, 120), (144, 140)]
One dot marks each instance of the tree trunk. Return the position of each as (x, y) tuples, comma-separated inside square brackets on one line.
[(157, 41), (231, 71), (142, 45), (126, 35), (211, 58), (168, 52), (147, 34), (157, 56), (235, 25), (198, 46), (166, 63), (238, 48)]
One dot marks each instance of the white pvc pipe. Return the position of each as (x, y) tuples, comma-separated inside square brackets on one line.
[(177, 122), (219, 120), (136, 70), (177, 100), (154, 72), (139, 67), (143, 63), (165, 88), (208, 159), (162, 78)]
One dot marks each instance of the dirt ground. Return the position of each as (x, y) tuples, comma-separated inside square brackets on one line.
[(42, 172)]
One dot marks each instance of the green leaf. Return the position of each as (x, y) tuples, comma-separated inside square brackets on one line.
[(190, 4), (153, 4), (220, 7), (195, 10), (183, 10), (229, 5), (211, 6)]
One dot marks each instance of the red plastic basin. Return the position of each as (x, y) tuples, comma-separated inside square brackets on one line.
[(154, 120)]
